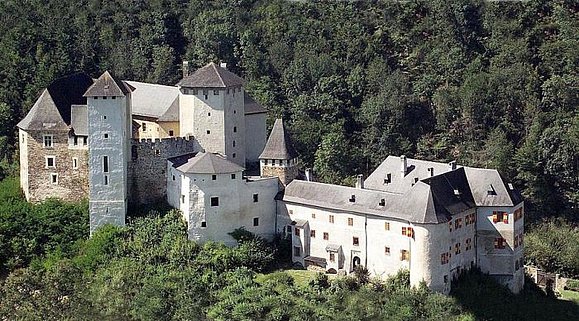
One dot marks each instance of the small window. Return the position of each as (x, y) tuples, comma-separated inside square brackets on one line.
[(203, 224), (313, 233), (74, 163), (173, 177), (235, 111), (47, 141), (386, 250), (233, 144), (256, 221), (85, 141), (75, 139), (350, 221), (106, 136), (195, 91), (54, 178), (50, 162), (332, 257), (289, 229), (404, 255), (235, 129), (105, 164), (296, 231), (213, 177), (233, 155), (144, 126), (157, 152), (215, 92), (232, 176), (209, 114), (297, 251), (352, 198), (208, 132), (499, 216), (104, 117), (331, 218), (106, 180), (382, 202), (105, 97), (255, 198), (114, 97), (387, 226), (183, 199), (500, 243), (355, 241), (214, 201), (171, 133), (326, 236), (445, 279), (313, 215)]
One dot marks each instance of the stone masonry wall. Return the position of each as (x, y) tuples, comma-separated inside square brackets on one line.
[(285, 174), (72, 183), (148, 166)]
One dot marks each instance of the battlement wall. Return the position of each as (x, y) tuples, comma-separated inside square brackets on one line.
[(148, 166)]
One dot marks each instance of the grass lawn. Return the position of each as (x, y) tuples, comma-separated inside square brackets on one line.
[(301, 277), (570, 296)]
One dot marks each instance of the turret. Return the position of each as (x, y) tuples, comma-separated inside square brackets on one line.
[(279, 157), (109, 130)]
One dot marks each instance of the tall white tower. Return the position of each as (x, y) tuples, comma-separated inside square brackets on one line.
[(109, 130), (212, 110)]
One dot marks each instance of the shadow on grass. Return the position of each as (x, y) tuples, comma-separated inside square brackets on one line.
[(482, 296)]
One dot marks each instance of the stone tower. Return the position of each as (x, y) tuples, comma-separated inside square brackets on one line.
[(279, 157), (212, 110), (109, 130)]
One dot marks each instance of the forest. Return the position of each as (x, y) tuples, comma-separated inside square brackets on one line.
[(487, 83)]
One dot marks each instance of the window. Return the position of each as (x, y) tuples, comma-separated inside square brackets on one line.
[(203, 224), (446, 279), (255, 198), (313, 215), (450, 226), (352, 199), (75, 139), (215, 92), (350, 221), (388, 178), (144, 126), (105, 164), (104, 117), (85, 141), (444, 258), (54, 178), (332, 257), (386, 250), (289, 229), (235, 129), (233, 144), (50, 162), (499, 216), (235, 111), (194, 91), (205, 93), (404, 255), (233, 155), (106, 136), (213, 177), (500, 243), (313, 233), (106, 180), (326, 236), (173, 177), (208, 114), (408, 231), (74, 163), (468, 244), (297, 251), (214, 201), (457, 248), (47, 141), (208, 132), (458, 223), (518, 214), (232, 176), (296, 231), (105, 97), (355, 241), (171, 133), (182, 198), (331, 218), (382, 202), (387, 226), (256, 221)]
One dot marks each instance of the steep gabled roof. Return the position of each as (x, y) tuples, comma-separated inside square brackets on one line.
[(252, 106), (204, 163), (151, 100), (79, 119), (211, 76), (107, 85), (489, 188), (52, 110), (172, 113), (279, 144)]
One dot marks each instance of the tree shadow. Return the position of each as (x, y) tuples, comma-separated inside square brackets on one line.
[(486, 299)]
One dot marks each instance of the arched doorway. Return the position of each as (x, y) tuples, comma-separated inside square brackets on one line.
[(355, 262)]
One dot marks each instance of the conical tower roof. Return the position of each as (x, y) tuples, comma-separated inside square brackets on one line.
[(279, 145)]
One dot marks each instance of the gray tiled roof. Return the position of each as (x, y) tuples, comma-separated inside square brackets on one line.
[(79, 119), (279, 144), (204, 163), (52, 110), (107, 85), (211, 76), (172, 113), (252, 106), (482, 180), (152, 100)]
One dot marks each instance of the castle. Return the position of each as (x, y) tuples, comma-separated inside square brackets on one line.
[(201, 146)]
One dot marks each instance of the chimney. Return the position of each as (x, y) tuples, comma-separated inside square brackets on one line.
[(431, 171), (452, 165), (223, 65), (403, 165), (360, 181), (309, 175), (185, 68)]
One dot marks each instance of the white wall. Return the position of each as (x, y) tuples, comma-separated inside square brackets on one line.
[(256, 136)]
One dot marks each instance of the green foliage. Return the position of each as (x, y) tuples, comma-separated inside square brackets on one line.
[(553, 247)]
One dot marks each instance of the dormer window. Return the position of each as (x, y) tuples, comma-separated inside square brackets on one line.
[(47, 141), (382, 202), (216, 92), (491, 190), (456, 192), (388, 178), (352, 199)]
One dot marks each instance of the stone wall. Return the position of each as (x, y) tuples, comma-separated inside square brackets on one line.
[(285, 174), (148, 166), (72, 183)]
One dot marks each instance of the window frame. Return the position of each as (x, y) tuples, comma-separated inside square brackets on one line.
[(46, 160), (48, 138), (214, 201)]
